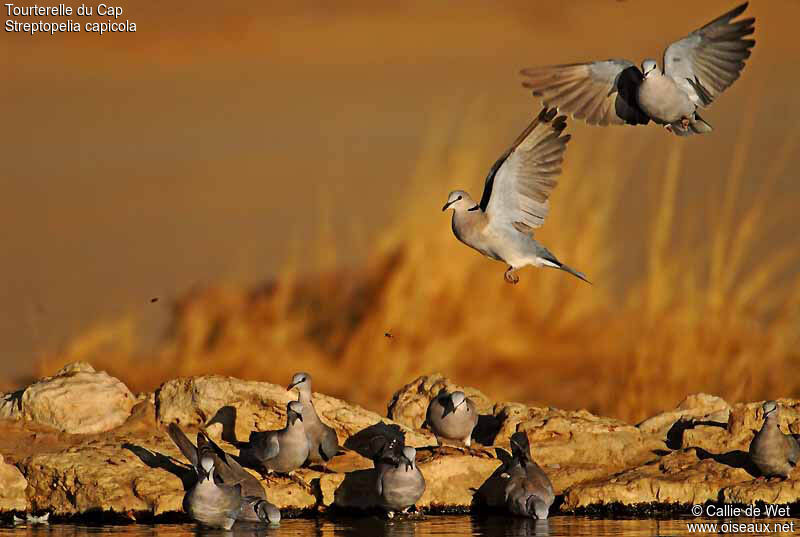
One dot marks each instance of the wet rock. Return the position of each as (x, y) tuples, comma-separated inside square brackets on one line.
[(12, 488), (77, 400)]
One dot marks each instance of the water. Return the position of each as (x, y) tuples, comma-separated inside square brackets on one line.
[(494, 526)]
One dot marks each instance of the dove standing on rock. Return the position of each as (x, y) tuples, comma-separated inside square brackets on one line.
[(227, 471), (514, 200), (775, 454), (284, 450), (452, 416), (400, 486), (322, 440), (696, 70), (528, 491)]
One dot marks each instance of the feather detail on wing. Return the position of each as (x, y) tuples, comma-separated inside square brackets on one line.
[(516, 193), (707, 61)]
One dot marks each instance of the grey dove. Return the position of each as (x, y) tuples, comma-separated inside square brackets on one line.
[(696, 70), (515, 200), (227, 471), (322, 440), (774, 454), (284, 450), (452, 416), (528, 491), (400, 486)]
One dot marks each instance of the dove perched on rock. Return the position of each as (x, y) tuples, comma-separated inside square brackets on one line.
[(774, 454), (284, 450), (452, 416), (322, 440)]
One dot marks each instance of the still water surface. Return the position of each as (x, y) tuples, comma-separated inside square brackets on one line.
[(424, 526)]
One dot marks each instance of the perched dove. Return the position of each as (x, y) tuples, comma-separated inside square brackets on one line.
[(227, 471), (452, 416), (697, 69), (322, 440), (514, 200), (284, 450), (773, 453), (528, 491), (400, 486)]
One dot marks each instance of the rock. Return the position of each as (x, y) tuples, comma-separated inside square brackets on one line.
[(684, 477), (75, 400), (12, 488)]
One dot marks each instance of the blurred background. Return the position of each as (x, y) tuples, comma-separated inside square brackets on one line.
[(255, 189)]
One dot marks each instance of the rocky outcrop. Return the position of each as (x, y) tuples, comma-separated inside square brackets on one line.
[(70, 464), (76, 400), (12, 488)]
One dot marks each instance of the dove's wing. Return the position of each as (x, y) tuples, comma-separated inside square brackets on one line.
[(600, 93), (708, 60)]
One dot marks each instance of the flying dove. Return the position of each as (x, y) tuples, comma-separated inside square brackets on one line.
[(514, 200), (284, 450), (400, 486), (528, 491), (322, 440), (228, 472), (452, 416), (775, 454), (696, 70)]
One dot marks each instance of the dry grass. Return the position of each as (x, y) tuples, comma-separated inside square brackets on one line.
[(710, 310)]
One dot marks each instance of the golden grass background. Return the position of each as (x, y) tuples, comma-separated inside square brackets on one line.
[(689, 243)]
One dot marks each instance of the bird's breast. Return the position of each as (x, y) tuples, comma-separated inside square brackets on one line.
[(662, 100)]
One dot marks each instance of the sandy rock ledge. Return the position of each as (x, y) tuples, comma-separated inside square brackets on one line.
[(80, 443)]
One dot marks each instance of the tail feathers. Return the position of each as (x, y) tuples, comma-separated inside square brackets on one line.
[(551, 261)]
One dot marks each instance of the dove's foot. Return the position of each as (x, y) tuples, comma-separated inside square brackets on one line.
[(390, 514), (510, 276), (669, 128), (685, 123)]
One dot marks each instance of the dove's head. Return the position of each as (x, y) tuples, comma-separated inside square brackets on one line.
[(649, 68), (537, 508), (769, 407), (301, 381), (460, 201), (410, 455), (294, 412), (207, 464)]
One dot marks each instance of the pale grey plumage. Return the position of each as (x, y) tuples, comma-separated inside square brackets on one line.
[(452, 416), (322, 439), (774, 454), (210, 504), (697, 69), (515, 199), (284, 450), (228, 472), (528, 491), (400, 486)]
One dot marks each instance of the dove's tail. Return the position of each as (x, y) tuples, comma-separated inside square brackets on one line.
[(549, 260)]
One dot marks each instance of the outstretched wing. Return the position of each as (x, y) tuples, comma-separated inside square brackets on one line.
[(518, 187), (708, 60), (601, 93), (183, 443)]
